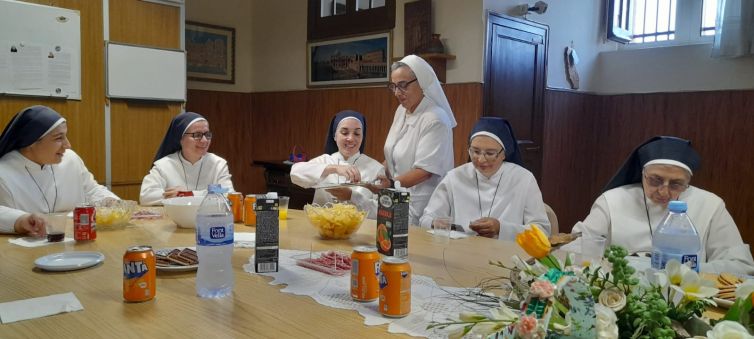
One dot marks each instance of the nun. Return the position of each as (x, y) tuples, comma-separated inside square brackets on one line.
[(636, 199), (419, 145), (343, 162), (182, 162), (493, 196), (40, 173)]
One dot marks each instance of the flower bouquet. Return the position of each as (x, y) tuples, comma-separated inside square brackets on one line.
[(550, 298)]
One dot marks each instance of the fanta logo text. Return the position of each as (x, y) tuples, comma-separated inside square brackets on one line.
[(134, 269), (217, 232)]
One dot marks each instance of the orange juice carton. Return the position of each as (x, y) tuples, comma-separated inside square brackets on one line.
[(392, 222)]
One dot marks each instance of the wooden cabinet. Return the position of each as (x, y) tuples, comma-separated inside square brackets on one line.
[(278, 179)]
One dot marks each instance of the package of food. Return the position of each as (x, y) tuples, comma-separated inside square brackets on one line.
[(329, 262), (266, 252)]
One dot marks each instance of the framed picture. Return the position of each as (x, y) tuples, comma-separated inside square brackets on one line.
[(210, 52), (361, 60)]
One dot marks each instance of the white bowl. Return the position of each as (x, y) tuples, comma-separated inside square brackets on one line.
[(182, 210)]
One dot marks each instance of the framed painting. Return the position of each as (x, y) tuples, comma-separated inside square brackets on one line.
[(210, 52), (361, 60)]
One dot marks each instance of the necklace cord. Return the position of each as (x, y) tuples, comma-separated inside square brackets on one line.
[(54, 181), (479, 196)]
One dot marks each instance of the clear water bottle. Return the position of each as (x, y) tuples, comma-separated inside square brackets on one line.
[(214, 245), (676, 238)]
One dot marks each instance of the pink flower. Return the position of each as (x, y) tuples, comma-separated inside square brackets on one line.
[(542, 289), (527, 326)]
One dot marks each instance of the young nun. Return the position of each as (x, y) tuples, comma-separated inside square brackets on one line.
[(493, 195), (343, 161), (182, 162), (637, 198), (39, 173)]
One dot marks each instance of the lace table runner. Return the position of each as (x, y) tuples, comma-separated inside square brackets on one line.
[(429, 301)]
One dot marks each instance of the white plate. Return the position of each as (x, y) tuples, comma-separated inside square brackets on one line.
[(69, 261), (174, 268)]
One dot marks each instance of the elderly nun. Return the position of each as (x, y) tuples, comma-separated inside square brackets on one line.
[(636, 199), (39, 173), (493, 195), (419, 145), (343, 161), (182, 162)]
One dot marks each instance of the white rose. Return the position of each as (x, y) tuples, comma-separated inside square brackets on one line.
[(613, 298), (727, 329), (606, 322)]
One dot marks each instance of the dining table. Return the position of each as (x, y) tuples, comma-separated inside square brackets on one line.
[(255, 309)]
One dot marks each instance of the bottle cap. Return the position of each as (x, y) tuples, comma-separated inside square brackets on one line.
[(677, 206), (214, 188)]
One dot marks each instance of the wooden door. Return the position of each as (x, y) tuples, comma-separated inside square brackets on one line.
[(514, 81)]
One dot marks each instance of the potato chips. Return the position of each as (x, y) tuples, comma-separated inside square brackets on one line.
[(335, 221)]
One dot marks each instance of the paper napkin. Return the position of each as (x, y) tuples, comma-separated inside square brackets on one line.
[(244, 239), (13, 311), (36, 242)]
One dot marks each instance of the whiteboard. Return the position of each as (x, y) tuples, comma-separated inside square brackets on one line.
[(40, 50), (139, 72)]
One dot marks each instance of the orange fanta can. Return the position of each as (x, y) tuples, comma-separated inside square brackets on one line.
[(139, 276), (365, 266), (395, 287)]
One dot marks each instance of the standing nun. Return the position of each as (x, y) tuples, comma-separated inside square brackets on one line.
[(182, 162), (39, 173), (419, 146), (343, 161), (493, 195), (636, 199)]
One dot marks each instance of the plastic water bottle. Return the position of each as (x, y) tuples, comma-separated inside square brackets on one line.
[(214, 245), (676, 238)]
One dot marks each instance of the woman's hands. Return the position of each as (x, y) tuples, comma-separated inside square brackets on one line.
[(350, 172), (32, 225), (486, 227)]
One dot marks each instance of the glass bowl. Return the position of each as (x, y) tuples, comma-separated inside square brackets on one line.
[(112, 213), (335, 220)]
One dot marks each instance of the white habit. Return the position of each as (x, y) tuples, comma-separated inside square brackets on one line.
[(620, 215), (27, 187), (420, 140), (174, 170), (518, 202), (308, 174)]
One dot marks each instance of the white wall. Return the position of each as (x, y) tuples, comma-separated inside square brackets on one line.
[(232, 13)]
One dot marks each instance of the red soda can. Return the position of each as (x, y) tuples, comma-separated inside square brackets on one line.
[(365, 266), (139, 274), (84, 224), (184, 194)]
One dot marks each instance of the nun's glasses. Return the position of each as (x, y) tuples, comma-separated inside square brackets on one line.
[(488, 155), (659, 182), (401, 86), (198, 135)]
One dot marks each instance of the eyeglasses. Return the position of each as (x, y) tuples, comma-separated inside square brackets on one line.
[(488, 155), (198, 135), (659, 182), (401, 86)]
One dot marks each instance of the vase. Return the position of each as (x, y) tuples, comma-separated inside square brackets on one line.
[(435, 45)]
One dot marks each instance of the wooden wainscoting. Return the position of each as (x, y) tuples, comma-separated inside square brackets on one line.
[(276, 121), (587, 137)]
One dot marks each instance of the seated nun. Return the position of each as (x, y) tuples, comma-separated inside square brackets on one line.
[(636, 199), (493, 195), (182, 162), (342, 162), (39, 173)]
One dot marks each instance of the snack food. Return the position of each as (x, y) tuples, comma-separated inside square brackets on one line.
[(330, 262), (177, 257), (335, 221)]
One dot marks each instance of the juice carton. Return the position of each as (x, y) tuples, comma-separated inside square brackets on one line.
[(392, 222), (268, 235)]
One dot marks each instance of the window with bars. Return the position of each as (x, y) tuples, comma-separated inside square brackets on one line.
[(659, 22)]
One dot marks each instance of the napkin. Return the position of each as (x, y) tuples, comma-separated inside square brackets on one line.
[(36, 242), (13, 311), (453, 234), (244, 239)]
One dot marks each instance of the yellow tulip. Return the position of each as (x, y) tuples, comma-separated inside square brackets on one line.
[(534, 242)]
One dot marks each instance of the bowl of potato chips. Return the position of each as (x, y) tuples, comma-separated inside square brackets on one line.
[(113, 213), (335, 220)]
